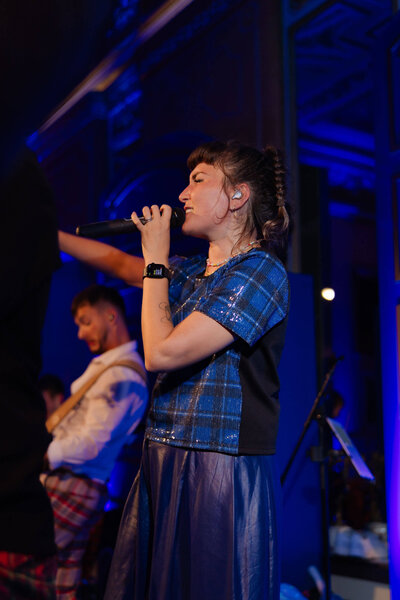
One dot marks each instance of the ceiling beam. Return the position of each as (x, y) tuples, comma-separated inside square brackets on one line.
[(102, 76)]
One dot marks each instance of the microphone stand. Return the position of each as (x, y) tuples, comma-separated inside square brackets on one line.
[(319, 455)]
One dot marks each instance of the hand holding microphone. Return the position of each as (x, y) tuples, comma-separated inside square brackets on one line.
[(116, 226), (155, 233)]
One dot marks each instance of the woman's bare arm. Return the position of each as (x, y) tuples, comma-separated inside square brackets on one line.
[(103, 257)]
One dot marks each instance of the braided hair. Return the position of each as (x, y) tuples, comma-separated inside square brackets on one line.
[(265, 174)]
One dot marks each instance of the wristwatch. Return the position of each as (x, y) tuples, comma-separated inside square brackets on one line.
[(154, 271)]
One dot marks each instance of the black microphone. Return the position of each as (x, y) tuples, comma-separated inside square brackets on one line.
[(103, 228)]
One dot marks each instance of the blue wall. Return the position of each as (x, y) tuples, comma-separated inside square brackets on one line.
[(301, 539)]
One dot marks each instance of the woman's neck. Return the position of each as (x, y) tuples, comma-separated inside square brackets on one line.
[(221, 251)]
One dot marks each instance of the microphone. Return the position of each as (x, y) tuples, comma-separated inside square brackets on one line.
[(103, 228)]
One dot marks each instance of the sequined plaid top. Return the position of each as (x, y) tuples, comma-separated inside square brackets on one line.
[(214, 404)]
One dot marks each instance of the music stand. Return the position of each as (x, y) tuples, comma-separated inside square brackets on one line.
[(355, 457), (318, 454)]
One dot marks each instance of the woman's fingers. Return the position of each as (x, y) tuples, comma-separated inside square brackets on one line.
[(154, 213), (141, 221), (147, 213), (136, 221), (166, 212)]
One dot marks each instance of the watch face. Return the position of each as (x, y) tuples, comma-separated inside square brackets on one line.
[(155, 271)]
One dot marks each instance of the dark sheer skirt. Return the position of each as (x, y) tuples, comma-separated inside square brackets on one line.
[(198, 526)]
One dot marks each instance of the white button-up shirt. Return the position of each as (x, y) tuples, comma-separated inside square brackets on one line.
[(92, 434)]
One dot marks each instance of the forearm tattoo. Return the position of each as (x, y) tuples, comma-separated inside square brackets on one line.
[(164, 306)]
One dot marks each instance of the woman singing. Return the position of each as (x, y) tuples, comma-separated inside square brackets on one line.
[(200, 522)]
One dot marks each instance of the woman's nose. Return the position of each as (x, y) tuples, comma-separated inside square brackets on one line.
[(184, 195)]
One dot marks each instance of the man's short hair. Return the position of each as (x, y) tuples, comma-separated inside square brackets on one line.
[(97, 293), (52, 383)]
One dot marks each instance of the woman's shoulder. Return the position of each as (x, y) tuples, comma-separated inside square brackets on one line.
[(258, 260), (256, 273)]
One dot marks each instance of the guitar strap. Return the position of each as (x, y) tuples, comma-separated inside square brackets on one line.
[(62, 411)]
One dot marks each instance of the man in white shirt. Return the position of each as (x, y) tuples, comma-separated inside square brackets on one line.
[(88, 439)]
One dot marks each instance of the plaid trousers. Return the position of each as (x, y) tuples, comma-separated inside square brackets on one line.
[(77, 503), (27, 577)]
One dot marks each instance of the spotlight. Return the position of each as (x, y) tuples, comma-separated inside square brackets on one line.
[(328, 294)]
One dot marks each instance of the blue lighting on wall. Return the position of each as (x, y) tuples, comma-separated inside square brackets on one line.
[(388, 164), (343, 211), (360, 141), (115, 201), (392, 431), (347, 167), (394, 522), (343, 155)]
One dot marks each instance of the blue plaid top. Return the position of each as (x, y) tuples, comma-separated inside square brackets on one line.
[(200, 406)]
